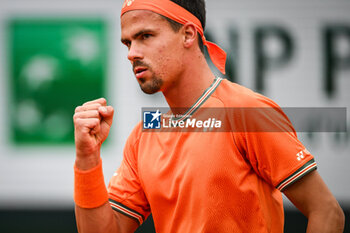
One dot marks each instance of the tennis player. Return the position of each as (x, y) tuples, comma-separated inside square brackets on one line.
[(193, 182)]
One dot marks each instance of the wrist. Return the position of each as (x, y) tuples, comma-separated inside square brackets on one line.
[(89, 187), (87, 162)]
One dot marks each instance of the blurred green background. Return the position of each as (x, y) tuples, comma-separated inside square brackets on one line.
[(55, 64)]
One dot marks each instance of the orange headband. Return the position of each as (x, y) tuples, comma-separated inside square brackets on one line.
[(175, 12)]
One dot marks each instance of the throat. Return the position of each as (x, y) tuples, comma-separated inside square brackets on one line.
[(182, 98)]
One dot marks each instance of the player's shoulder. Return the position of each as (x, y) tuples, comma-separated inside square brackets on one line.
[(235, 95), (253, 112)]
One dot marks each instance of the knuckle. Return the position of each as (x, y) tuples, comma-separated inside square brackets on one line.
[(91, 124), (77, 121), (91, 106), (76, 116), (77, 109), (91, 114), (88, 103)]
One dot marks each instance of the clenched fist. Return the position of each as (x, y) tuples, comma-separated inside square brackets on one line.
[(92, 122)]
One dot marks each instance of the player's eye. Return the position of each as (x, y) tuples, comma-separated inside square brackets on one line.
[(146, 36)]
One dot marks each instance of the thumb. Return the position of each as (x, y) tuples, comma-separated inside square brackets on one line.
[(107, 114)]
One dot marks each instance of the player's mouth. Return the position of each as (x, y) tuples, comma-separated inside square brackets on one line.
[(140, 72)]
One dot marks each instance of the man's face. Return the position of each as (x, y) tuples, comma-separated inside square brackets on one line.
[(154, 49)]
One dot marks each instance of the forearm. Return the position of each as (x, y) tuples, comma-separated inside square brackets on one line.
[(331, 220), (93, 212), (92, 122), (95, 220)]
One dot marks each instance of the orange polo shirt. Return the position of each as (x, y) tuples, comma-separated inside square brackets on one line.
[(212, 181)]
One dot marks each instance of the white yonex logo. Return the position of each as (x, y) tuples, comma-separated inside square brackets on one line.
[(300, 155)]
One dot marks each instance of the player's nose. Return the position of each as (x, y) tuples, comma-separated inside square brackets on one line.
[(134, 53)]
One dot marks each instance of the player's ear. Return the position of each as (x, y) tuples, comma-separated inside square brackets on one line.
[(189, 34)]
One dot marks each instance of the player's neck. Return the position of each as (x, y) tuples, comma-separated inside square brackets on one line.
[(195, 79)]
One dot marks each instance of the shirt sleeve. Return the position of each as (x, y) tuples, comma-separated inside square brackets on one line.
[(125, 191), (269, 142)]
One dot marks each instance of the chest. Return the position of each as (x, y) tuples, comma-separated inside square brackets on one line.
[(175, 164)]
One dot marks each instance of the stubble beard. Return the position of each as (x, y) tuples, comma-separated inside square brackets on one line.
[(149, 86), (152, 86)]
